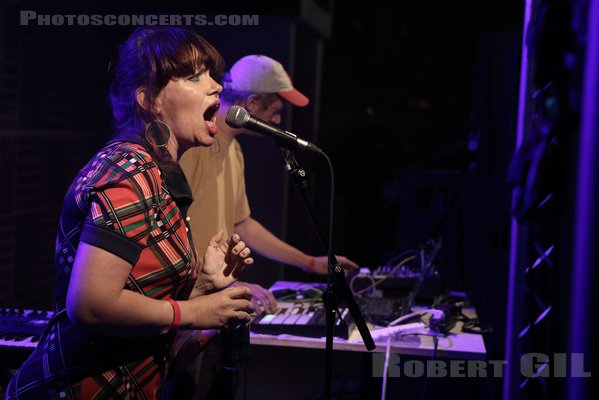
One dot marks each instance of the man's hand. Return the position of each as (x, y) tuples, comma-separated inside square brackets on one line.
[(261, 297)]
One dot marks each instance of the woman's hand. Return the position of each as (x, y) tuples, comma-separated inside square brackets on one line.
[(216, 309), (223, 262)]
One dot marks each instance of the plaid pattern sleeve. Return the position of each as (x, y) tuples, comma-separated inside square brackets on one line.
[(119, 202), (121, 192)]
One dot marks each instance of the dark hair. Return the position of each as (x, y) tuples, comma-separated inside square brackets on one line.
[(149, 59)]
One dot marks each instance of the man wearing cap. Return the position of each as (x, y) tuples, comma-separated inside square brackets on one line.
[(216, 173)]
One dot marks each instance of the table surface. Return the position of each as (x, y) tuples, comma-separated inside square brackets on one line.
[(402, 339)]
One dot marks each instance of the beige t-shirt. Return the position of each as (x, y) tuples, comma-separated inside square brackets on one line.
[(217, 181)]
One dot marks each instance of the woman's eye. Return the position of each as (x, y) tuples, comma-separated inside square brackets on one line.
[(218, 78), (194, 77)]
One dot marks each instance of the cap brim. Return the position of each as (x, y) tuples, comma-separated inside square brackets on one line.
[(294, 97)]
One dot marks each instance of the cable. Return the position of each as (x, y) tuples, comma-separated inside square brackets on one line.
[(385, 369), (435, 346), (353, 280), (436, 314), (415, 328), (473, 325), (375, 283), (401, 256), (331, 209)]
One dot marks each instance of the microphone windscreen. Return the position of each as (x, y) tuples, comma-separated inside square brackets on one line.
[(237, 117)]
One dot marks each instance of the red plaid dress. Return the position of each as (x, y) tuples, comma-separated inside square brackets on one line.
[(121, 202)]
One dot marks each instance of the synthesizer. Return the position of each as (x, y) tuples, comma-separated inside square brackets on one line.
[(20, 332), (301, 320)]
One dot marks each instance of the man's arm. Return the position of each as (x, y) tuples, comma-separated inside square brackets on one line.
[(263, 242)]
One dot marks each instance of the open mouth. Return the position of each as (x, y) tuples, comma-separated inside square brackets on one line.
[(210, 113), (210, 117)]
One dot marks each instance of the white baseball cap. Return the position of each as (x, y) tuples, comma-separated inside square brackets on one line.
[(262, 74)]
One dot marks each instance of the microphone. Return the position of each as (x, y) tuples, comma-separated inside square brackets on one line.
[(238, 117)]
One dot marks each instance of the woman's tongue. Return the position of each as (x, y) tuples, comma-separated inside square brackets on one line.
[(211, 125)]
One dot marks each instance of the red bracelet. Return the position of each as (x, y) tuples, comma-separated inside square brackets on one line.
[(310, 265), (176, 315)]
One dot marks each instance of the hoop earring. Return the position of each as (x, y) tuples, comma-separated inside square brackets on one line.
[(157, 133)]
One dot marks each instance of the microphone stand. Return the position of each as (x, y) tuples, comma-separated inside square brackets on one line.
[(338, 290)]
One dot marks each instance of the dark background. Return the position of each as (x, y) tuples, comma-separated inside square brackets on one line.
[(414, 102)]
